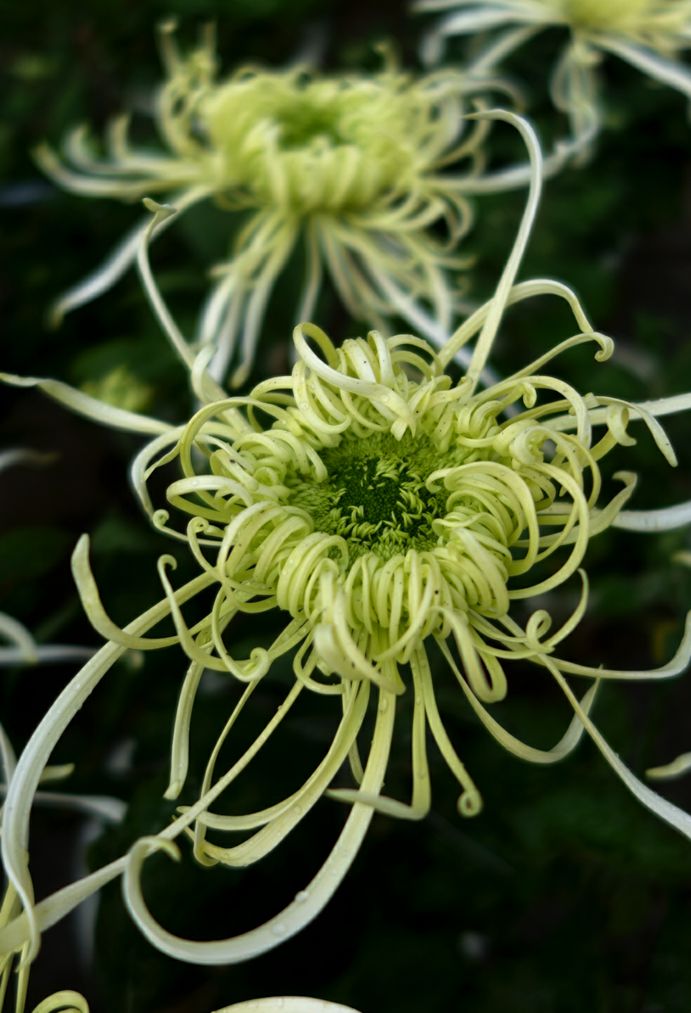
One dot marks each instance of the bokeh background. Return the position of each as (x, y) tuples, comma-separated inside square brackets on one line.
[(564, 894)]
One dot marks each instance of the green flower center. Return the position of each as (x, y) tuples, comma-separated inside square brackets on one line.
[(375, 495), (301, 122), (307, 144)]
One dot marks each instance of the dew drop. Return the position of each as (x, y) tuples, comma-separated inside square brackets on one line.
[(302, 896), (278, 929)]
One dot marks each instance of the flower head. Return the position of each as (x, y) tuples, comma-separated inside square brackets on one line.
[(353, 168), (383, 510), (381, 506), (377, 503), (649, 34)]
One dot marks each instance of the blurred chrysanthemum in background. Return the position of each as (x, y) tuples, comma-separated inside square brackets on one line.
[(369, 175), (648, 34)]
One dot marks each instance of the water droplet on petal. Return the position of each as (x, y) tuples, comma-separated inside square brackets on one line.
[(302, 896), (278, 929)]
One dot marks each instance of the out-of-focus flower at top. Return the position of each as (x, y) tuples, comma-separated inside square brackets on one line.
[(369, 175), (649, 34)]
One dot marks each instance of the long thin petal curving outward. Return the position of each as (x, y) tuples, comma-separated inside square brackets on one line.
[(307, 904), (90, 407), (66, 1001), (503, 291), (26, 777), (287, 1004), (665, 519), (674, 667), (666, 810), (670, 72), (675, 768), (117, 263), (26, 651), (523, 750)]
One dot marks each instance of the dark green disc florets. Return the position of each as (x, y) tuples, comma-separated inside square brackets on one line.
[(375, 494)]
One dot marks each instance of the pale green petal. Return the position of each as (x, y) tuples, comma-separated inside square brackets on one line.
[(422, 791), (659, 67), (676, 768), (665, 519), (307, 904), (666, 810), (521, 749), (66, 1001), (675, 666), (26, 777), (277, 821), (90, 407), (287, 1004), (491, 325)]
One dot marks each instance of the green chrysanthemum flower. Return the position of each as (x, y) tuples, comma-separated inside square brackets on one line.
[(357, 169), (381, 510), (648, 34)]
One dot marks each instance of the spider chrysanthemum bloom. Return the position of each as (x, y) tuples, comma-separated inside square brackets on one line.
[(367, 175), (649, 34), (382, 508), (384, 512)]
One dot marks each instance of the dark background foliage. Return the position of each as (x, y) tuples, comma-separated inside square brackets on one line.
[(563, 895)]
